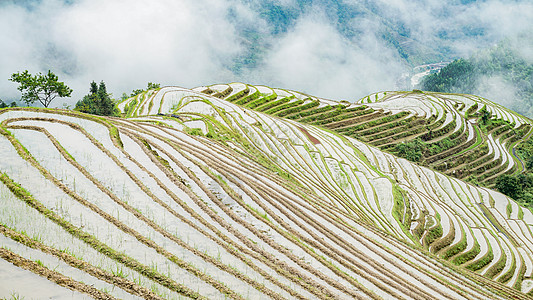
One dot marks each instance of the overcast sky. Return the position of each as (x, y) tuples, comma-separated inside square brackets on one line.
[(189, 43)]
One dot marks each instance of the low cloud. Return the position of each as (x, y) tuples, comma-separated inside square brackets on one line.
[(463, 26), (196, 42), (496, 87), (315, 58), (124, 43)]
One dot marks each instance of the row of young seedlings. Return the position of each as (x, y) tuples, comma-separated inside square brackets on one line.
[(108, 217), (453, 252), (75, 231), (457, 138), (111, 132), (269, 193)]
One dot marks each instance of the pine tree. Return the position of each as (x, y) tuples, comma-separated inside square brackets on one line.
[(98, 101)]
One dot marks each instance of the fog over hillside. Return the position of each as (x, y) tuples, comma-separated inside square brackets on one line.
[(333, 49)]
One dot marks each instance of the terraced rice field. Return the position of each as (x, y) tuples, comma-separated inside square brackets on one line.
[(227, 200), (457, 141)]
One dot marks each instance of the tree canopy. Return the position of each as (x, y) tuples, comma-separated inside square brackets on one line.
[(504, 64), (98, 101), (4, 105), (520, 186), (411, 150), (40, 87), (457, 77)]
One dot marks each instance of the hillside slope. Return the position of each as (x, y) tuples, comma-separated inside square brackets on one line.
[(503, 73), (465, 136), (223, 201)]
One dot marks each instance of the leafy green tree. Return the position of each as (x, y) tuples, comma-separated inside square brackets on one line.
[(529, 163), (42, 88), (98, 101), (124, 97), (485, 115)]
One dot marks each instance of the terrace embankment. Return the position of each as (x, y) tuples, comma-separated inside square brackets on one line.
[(222, 198)]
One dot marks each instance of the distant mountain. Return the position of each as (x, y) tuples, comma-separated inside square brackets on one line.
[(353, 19), (332, 48), (503, 73)]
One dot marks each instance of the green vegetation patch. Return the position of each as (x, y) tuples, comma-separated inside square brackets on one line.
[(467, 256), (509, 274), (520, 186), (193, 131), (411, 150), (483, 261), (130, 107), (498, 267), (432, 235), (503, 61), (457, 248)]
